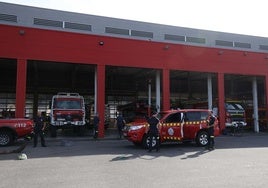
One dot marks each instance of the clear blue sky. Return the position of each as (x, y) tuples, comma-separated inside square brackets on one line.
[(234, 16)]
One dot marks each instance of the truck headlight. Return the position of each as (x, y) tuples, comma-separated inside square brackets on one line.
[(135, 127)]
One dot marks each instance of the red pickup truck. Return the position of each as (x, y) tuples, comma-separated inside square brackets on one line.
[(12, 129), (175, 125)]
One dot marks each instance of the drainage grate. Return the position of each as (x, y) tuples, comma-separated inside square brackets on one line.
[(78, 26), (50, 23), (8, 18)]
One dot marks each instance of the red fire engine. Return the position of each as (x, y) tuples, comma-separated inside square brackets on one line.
[(67, 110)]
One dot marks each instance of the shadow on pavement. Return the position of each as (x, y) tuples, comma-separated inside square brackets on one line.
[(119, 150)]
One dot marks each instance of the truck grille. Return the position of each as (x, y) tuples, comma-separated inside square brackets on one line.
[(68, 117)]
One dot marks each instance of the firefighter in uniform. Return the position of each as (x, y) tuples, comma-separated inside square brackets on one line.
[(210, 122), (120, 123), (153, 131), (39, 127)]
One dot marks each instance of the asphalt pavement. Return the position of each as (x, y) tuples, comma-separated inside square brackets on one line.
[(239, 161)]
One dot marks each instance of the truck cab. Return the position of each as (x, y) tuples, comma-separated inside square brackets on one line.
[(67, 111)]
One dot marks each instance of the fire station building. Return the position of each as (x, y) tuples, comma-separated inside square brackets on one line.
[(115, 61)]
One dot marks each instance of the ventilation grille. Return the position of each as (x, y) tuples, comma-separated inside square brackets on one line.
[(142, 34), (8, 18), (196, 40), (117, 31), (77, 26), (128, 32), (175, 37), (263, 47), (242, 45), (50, 23), (224, 43)]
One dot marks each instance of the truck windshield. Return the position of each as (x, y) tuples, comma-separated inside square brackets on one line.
[(67, 104)]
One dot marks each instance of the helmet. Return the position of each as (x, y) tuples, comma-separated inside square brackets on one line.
[(22, 156)]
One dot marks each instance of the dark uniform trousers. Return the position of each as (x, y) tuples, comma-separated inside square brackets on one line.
[(211, 121), (38, 131), (211, 138), (41, 134), (153, 135)]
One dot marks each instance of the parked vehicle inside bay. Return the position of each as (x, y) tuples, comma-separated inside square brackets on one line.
[(235, 115), (175, 126), (262, 119), (67, 111), (135, 110), (13, 129)]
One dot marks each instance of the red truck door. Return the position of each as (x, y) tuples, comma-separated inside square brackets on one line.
[(172, 127)]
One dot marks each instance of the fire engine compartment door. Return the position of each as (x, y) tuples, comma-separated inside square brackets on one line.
[(172, 127)]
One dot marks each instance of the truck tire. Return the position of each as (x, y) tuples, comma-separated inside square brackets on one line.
[(146, 140), (202, 138), (6, 138)]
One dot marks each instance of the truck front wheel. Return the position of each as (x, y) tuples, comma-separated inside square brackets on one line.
[(6, 138), (146, 141)]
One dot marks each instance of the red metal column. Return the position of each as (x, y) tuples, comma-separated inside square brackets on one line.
[(21, 87), (221, 103), (101, 97), (166, 89)]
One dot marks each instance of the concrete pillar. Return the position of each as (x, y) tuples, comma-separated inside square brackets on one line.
[(209, 85), (221, 102), (255, 105)]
